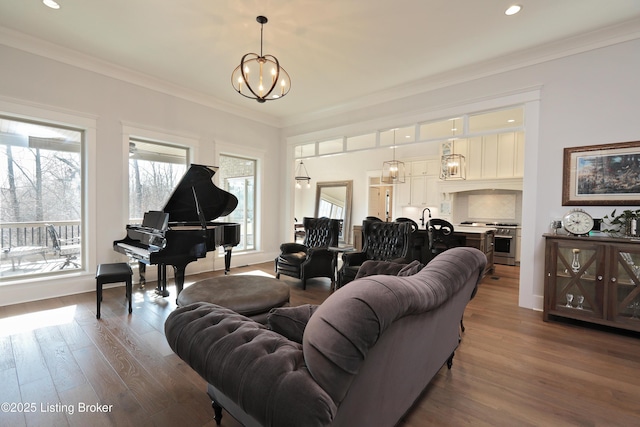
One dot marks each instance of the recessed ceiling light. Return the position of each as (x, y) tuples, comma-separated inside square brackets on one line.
[(51, 3), (511, 121), (513, 9)]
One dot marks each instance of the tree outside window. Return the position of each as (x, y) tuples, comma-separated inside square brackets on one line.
[(40, 197), (155, 169)]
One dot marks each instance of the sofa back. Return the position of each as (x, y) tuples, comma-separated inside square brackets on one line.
[(404, 317)]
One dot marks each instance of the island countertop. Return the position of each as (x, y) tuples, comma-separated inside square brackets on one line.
[(472, 229)]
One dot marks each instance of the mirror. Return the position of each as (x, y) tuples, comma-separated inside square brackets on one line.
[(333, 200)]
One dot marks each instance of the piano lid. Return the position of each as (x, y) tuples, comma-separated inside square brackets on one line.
[(197, 184)]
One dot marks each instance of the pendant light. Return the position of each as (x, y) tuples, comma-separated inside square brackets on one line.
[(301, 174), (260, 77), (453, 165), (393, 171)]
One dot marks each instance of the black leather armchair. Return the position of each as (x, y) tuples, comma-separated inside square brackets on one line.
[(311, 258), (381, 241)]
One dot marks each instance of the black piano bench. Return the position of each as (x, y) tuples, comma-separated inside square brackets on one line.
[(113, 273)]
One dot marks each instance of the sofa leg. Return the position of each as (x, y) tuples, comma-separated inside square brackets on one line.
[(217, 412), (450, 360)]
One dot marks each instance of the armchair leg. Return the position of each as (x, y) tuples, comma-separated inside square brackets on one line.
[(217, 411)]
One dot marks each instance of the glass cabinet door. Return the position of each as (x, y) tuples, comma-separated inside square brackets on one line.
[(579, 289), (625, 285)]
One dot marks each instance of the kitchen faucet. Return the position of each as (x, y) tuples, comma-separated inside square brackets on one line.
[(422, 219)]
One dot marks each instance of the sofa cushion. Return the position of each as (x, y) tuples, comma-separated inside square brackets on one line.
[(295, 258), (389, 268), (290, 322), (373, 267), (412, 268)]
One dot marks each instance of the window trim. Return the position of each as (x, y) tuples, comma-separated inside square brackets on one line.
[(255, 197), (88, 125), (131, 131), (257, 154)]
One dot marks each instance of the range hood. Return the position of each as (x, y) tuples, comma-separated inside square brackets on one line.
[(459, 185)]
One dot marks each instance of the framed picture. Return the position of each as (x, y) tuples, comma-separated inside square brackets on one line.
[(607, 174)]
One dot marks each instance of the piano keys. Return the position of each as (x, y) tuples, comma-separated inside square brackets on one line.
[(184, 230)]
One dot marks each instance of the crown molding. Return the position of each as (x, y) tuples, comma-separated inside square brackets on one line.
[(608, 36), (43, 48)]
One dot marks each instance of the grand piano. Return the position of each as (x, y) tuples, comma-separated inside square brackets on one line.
[(184, 230)]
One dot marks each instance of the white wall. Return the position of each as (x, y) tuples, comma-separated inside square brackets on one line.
[(584, 99), (30, 81)]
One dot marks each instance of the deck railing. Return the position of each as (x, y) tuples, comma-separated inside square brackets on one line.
[(17, 234)]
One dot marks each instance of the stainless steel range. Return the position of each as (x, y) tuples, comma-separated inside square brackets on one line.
[(504, 250)]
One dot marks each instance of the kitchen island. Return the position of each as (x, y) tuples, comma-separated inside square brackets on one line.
[(481, 238)]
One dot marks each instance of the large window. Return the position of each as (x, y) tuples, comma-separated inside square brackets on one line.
[(237, 175), (41, 172), (154, 171)]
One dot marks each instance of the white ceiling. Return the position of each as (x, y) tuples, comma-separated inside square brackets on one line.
[(340, 54)]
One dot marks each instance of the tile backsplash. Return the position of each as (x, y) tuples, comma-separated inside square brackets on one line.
[(492, 206), (488, 205)]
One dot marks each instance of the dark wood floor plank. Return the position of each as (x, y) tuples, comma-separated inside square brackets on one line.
[(42, 393), (6, 353), (10, 394), (63, 368), (28, 358), (74, 336), (99, 373), (89, 409), (150, 393)]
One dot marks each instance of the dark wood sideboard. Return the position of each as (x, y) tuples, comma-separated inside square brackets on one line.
[(593, 279)]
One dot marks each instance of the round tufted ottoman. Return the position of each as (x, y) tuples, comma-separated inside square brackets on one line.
[(251, 296)]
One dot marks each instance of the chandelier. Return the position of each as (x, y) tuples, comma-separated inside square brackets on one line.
[(260, 77), (393, 170)]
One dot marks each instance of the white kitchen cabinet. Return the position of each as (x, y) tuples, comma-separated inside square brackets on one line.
[(519, 155), (418, 190), (506, 155), (490, 156), (474, 158), (493, 156), (421, 186)]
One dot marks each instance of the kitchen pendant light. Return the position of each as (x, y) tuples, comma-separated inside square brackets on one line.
[(301, 174), (393, 171), (260, 77)]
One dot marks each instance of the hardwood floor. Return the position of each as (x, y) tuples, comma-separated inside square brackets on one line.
[(511, 367)]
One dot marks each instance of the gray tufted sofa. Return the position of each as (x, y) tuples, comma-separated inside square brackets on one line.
[(366, 354)]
